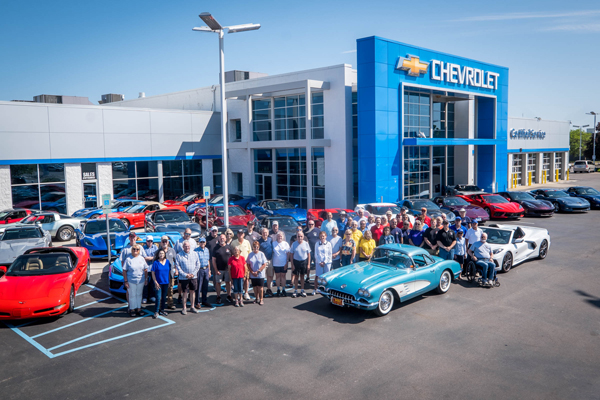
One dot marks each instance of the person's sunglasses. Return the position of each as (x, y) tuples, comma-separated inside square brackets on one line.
[(164, 241), (135, 250)]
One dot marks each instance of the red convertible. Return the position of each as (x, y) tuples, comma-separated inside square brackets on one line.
[(11, 216), (43, 282), (495, 205), (185, 200), (134, 216), (238, 218), (319, 215)]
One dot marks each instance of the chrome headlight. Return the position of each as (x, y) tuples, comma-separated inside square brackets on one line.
[(322, 281), (364, 292)]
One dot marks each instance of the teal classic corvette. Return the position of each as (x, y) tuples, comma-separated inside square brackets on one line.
[(395, 272)]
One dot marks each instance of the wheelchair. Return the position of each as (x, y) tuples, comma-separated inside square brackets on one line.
[(474, 274)]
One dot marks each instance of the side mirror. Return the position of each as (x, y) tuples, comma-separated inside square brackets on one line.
[(130, 227), (38, 222), (248, 212), (518, 240)]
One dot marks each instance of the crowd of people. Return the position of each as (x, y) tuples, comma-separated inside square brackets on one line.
[(264, 256)]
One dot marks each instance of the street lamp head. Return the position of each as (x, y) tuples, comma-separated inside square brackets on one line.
[(210, 21), (202, 29), (592, 113), (242, 28)]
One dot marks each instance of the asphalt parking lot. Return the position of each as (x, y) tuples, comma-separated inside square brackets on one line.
[(537, 336)]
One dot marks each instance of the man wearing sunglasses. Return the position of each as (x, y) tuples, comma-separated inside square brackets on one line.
[(187, 237)]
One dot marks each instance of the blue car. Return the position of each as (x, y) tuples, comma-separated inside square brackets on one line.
[(91, 234), (234, 200), (561, 200), (115, 271), (396, 272), (587, 193), (95, 212), (278, 207)]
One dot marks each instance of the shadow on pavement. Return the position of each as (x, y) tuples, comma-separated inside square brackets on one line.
[(593, 300), (344, 315)]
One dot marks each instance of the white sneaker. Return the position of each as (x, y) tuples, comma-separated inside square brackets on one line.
[(144, 301), (246, 296)]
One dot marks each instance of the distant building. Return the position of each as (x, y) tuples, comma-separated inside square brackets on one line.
[(54, 99), (235, 76), (111, 98)]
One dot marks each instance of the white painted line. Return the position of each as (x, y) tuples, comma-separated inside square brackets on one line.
[(93, 302)]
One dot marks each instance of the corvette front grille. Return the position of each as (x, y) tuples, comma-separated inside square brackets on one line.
[(341, 295)]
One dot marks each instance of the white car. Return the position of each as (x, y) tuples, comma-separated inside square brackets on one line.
[(514, 244), (378, 209)]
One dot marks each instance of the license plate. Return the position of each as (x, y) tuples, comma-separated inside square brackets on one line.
[(337, 302), (478, 219)]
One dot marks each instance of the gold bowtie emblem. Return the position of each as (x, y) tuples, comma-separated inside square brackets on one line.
[(412, 65)]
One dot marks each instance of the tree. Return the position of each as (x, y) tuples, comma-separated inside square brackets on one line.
[(586, 144)]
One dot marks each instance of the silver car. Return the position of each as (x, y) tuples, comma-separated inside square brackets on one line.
[(17, 239), (60, 226), (584, 166)]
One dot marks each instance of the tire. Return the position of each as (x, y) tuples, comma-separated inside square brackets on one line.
[(71, 301), (88, 273), (125, 221), (95, 216), (65, 234), (556, 207), (385, 304), (472, 271), (445, 282), (487, 210), (543, 250), (507, 262)]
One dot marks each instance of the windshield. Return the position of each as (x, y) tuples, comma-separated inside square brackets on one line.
[(554, 194), (40, 264), (216, 200), (521, 196), (28, 233), (381, 210), (468, 188), (391, 258), (496, 236), (93, 227), (278, 205), (495, 199), (283, 222), (4, 214), (233, 212), (136, 208), (171, 217), (455, 201), (429, 205), (584, 190), (31, 219)]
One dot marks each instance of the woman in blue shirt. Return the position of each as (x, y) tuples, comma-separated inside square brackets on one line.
[(161, 270), (387, 237), (415, 237)]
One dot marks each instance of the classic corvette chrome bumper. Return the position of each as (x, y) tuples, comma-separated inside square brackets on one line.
[(348, 299)]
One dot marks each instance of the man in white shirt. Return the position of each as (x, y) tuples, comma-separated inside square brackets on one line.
[(473, 234), (187, 237)]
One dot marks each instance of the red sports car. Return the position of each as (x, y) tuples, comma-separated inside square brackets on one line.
[(216, 216), (185, 200), (11, 216), (134, 216), (43, 282), (495, 205), (319, 215)]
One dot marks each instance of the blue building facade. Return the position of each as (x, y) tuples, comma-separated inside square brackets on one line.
[(427, 119)]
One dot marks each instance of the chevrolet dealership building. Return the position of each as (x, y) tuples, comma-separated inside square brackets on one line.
[(407, 122)]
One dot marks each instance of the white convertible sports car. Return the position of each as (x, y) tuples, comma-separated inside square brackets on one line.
[(514, 244)]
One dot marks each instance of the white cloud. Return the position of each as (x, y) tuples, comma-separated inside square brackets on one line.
[(348, 51), (575, 28), (530, 15)]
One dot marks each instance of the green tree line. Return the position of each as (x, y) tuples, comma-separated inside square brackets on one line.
[(586, 144)]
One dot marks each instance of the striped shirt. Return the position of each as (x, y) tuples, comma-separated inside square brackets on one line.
[(203, 256), (187, 263)]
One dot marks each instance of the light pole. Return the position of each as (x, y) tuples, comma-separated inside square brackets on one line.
[(580, 132), (214, 26), (594, 152)]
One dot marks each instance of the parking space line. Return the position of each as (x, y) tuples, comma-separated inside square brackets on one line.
[(30, 340), (80, 293), (93, 302), (78, 322)]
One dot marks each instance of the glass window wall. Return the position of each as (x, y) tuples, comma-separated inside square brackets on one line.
[(39, 187), (417, 111), (135, 180), (416, 172), (261, 120), (318, 177)]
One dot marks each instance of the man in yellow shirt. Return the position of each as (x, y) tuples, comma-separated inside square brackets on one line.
[(245, 248), (356, 236)]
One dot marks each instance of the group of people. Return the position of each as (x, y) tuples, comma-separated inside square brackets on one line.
[(265, 256)]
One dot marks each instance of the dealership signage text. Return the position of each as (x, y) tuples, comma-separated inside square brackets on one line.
[(527, 134), (454, 73)]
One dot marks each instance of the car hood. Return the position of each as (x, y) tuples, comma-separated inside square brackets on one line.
[(361, 275), (506, 207), (178, 227), (590, 197), (84, 211), (536, 204), (11, 249), (117, 240), (25, 288), (472, 211), (575, 201)]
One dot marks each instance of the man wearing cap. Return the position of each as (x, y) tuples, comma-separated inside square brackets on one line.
[(245, 248), (251, 234), (473, 234), (328, 224), (203, 274), (148, 251), (404, 212), (126, 251), (342, 222), (187, 237), (213, 239), (170, 253), (458, 226), (446, 240), (466, 221), (311, 235), (275, 231)]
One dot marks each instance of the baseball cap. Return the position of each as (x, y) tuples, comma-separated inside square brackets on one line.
[(132, 234), (462, 209), (165, 237), (251, 222), (459, 232), (459, 218), (149, 239), (214, 228), (342, 212), (203, 239), (240, 231), (404, 208), (474, 221)]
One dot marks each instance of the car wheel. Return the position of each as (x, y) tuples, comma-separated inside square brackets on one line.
[(543, 249), (71, 301), (88, 273), (385, 304), (95, 216), (65, 233), (507, 262), (556, 207), (125, 221), (487, 210), (445, 282)]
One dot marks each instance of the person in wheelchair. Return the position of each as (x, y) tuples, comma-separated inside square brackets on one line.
[(481, 253)]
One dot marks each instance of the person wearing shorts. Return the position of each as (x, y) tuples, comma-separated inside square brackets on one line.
[(323, 258), (281, 248), (188, 265), (257, 263), (220, 258), (266, 247), (236, 267), (245, 248), (300, 256)]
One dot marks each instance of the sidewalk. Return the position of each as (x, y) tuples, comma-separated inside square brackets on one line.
[(558, 185)]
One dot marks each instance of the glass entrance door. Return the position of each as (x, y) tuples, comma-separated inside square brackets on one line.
[(90, 194), (437, 179), (264, 186)]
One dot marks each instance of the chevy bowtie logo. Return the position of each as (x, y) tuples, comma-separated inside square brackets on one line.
[(412, 65)]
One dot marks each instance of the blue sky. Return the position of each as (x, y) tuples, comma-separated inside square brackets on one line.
[(86, 48)]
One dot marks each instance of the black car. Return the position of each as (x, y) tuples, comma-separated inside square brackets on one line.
[(433, 210), (170, 220), (286, 223), (585, 192), (532, 206), (561, 200)]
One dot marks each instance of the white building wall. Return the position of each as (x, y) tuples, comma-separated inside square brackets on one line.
[(104, 176), (5, 191), (557, 134), (74, 187)]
